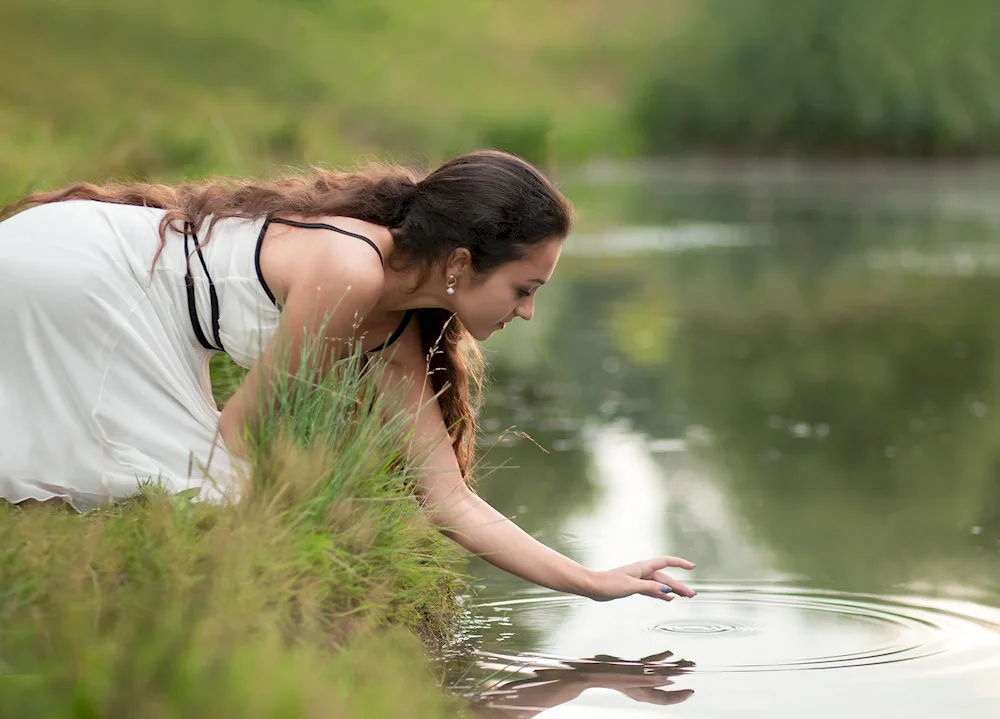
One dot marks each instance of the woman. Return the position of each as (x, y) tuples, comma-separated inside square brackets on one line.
[(115, 297)]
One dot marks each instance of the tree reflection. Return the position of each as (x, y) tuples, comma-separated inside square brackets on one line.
[(531, 465), (859, 435)]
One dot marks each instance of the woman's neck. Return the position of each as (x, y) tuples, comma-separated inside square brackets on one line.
[(404, 291)]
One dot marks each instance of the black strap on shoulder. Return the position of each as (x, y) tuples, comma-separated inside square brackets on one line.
[(212, 294), (397, 333), (324, 226), (256, 264)]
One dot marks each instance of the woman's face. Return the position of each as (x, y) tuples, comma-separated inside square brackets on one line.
[(486, 304)]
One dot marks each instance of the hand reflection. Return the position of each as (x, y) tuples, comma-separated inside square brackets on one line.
[(639, 680)]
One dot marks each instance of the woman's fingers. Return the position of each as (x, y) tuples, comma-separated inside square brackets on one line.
[(654, 590), (661, 562), (644, 578), (652, 567), (679, 587)]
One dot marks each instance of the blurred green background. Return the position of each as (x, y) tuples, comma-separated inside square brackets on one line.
[(100, 88), (96, 88)]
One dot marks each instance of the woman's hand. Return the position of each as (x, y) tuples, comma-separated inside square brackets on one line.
[(641, 578)]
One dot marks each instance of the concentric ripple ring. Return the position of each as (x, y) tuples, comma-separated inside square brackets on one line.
[(730, 628)]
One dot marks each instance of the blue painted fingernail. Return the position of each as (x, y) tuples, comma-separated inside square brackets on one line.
[(665, 589)]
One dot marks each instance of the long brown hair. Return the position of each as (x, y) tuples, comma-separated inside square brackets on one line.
[(494, 204)]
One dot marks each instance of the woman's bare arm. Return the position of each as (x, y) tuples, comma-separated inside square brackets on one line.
[(478, 527), (331, 294)]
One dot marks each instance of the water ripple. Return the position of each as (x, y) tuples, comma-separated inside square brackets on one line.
[(702, 628), (734, 629)]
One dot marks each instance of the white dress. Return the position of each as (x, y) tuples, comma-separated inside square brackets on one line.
[(103, 380)]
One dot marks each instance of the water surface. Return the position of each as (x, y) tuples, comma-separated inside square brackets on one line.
[(795, 383)]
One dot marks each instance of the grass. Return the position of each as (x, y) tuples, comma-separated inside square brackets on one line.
[(309, 596), (114, 88)]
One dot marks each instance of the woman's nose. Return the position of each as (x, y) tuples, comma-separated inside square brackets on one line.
[(526, 310)]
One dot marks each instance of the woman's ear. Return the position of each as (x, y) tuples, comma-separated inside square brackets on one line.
[(459, 262)]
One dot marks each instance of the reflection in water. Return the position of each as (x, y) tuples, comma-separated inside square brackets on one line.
[(563, 680), (898, 642), (688, 648), (813, 418)]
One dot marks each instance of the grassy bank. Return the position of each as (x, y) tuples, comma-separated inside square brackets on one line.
[(307, 597), (828, 77), (109, 87)]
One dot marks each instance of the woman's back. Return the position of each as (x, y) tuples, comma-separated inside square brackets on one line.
[(127, 237), (108, 357)]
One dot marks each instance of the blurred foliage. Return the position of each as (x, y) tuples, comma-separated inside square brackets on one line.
[(170, 89), (528, 137), (844, 77), (108, 88)]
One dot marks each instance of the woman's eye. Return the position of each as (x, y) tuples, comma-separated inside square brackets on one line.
[(523, 293)]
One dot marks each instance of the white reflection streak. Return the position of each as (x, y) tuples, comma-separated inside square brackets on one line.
[(702, 517), (639, 501), (625, 525)]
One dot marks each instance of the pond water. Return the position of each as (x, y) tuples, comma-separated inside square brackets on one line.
[(792, 380)]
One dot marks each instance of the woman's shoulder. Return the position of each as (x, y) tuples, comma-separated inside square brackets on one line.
[(349, 235), (337, 223), (340, 249)]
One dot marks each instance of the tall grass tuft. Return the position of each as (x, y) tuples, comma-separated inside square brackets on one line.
[(304, 596)]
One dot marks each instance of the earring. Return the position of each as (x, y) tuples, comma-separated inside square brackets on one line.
[(451, 284)]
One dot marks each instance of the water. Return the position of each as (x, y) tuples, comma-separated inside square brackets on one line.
[(795, 383)]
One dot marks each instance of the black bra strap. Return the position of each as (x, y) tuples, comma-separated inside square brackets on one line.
[(192, 303), (256, 264), (324, 226), (397, 334)]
